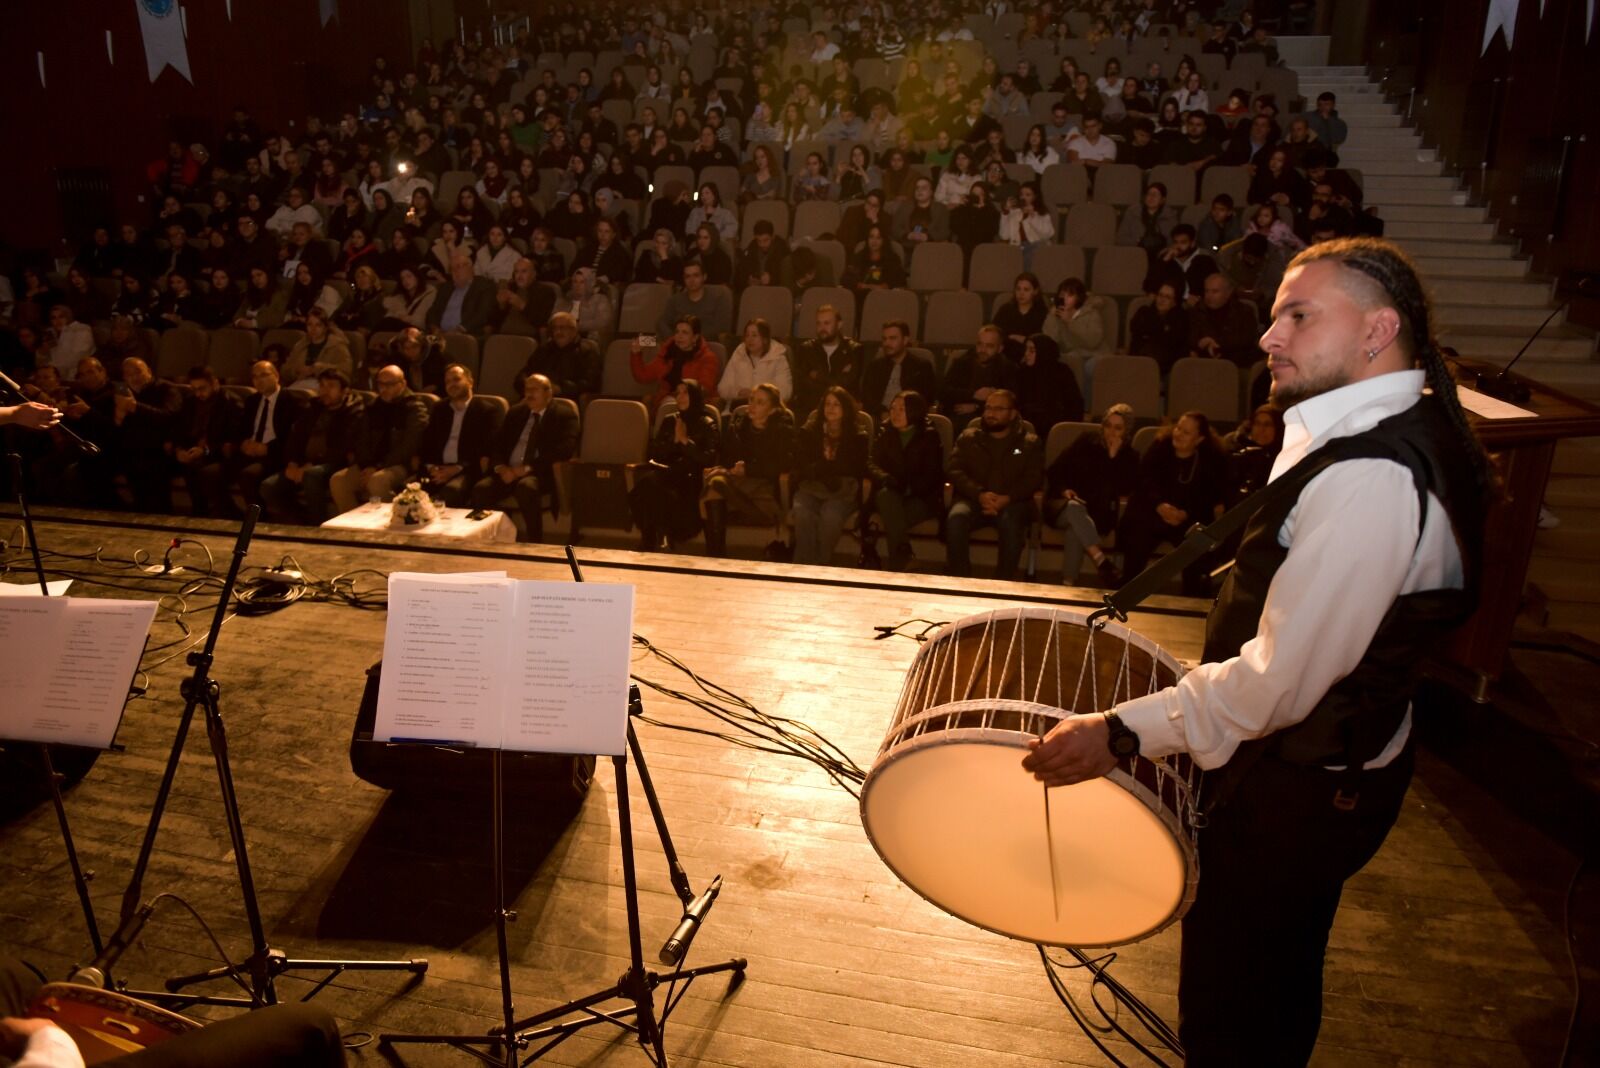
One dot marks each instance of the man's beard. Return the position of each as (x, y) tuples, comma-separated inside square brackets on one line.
[(1288, 396), (994, 426)]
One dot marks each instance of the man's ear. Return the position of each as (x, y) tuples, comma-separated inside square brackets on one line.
[(1383, 329)]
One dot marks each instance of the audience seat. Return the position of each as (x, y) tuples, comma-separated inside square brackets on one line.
[(1055, 263), (463, 349), (830, 257), (1180, 182), (1092, 225), (642, 305), (1118, 184), (1120, 271), (725, 178), (882, 305), (451, 183), (1064, 184), (816, 218), (1133, 380), (286, 336), (995, 266), (180, 348), (1143, 438), (504, 356), (775, 212), (952, 320), (805, 322), (1204, 385), (614, 438), (616, 373), (1234, 181), (935, 265), (230, 353), (775, 304)]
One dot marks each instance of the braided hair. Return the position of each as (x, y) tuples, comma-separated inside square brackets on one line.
[(1400, 287)]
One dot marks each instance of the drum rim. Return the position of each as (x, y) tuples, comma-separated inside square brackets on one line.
[(1066, 615), (1188, 849)]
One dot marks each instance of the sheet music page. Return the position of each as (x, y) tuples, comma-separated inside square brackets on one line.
[(568, 674), (445, 647), (1491, 407), (69, 662), (58, 588)]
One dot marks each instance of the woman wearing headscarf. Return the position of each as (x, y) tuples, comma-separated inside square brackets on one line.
[(665, 499), (1047, 390)]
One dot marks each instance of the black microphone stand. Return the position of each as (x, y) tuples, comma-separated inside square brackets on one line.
[(1500, 384), (80, 878), (83, 444), (264, 964)]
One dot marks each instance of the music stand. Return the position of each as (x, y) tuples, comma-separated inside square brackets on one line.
[(637, 984), (264, 964)]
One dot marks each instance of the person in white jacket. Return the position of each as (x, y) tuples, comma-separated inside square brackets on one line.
[(497, 259), (296, 210), (758, 359), (1027, 223)]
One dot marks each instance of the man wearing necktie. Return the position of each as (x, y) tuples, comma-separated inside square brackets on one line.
[(535, 437)]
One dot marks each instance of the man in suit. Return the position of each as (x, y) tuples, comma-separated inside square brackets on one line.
[(269, 416), (534, 438), (391, 436), (205, 439), (322, 441), (828, 359), (895, 368), (459, 439), (468, 304)]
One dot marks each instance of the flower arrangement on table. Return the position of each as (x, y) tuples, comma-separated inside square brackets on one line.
[(412, 507)]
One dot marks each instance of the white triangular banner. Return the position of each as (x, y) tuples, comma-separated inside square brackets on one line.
[(329, 10), (1589, 31), (1502, 16), (161, 23)]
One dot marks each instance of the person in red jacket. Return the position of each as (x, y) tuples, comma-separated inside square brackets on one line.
[(684, 355)]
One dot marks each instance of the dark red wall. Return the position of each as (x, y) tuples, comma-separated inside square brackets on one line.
[(273, 58), (1548, 91)]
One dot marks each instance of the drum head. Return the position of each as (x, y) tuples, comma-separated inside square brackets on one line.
[(963, 825)]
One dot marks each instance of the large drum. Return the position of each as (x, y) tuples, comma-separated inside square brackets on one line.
[(950, 810)]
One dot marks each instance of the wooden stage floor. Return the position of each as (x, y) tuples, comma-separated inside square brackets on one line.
[(1447, 949)]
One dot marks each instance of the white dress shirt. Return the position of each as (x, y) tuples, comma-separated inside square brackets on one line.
[(269, 404), (1353, 549), (50, 1047)]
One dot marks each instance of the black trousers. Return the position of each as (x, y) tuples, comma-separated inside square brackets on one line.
[(1273, 861), (281, 1036)]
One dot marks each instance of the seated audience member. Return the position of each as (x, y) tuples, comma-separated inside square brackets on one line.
[(1028, 223), (496, 259), (295, 210), (1047, 391), (1022, 316), (1250, 145), (1090, 146), (1183, 264), (1080, 322), (876, 265), (975, 374), (665, 499), (859, 218), (205, 440), (975, 222), (606, 255), (323, 346), (263, 304), (1255, 266), (466, 303), (1196, 149), (535, 437), (571, 362), (322, 442), (921, 218), (907, 471), (589, 305), (144, 412), (1149, 225), (66, 341), (125, 340), (660, 261), (459, 438), (304, 248), (179, 304), (1221, 226), (421, 357), (525, 302), (1279, 184), (1160, 329), (757, 450), (995, 469), (391, 437), (1324, 214), (827, 359), (1325, 122), (278, 1036), (1224, 327), (1182, 481), (1251, 449), (830, 462), (896, 368), (309, 293), (219, 302), (705, 248), (136, 301), (712, 307), (762, 261), (759, 358), (684, 354), (89, 408), (1085, 486), (269, 417), (708, 211)]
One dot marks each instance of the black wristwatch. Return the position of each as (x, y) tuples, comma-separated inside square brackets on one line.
[(1123, 743)]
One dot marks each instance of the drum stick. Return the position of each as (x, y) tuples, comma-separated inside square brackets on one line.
[(1050, 841)]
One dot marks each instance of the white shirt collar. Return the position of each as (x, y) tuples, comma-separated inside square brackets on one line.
[(1343, 412)]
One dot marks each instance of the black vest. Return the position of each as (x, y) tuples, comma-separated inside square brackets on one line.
[(1360, 713)]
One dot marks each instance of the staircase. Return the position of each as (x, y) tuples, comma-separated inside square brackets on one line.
[(1486, 305)]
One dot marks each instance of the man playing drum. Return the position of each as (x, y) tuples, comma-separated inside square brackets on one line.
[(1301, 709)]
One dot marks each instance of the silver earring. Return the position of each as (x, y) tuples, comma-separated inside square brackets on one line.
[(1372, 354)]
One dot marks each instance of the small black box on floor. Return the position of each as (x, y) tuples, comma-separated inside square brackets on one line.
[(550, 778)]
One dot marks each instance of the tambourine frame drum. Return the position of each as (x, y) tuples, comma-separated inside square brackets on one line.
[(951, 812)]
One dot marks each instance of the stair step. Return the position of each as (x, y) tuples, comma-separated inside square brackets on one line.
[(1464, 291), (1464, 317), (1344, 90), (1470, 267), (1358, 155), (1478, 250), (1441, 195), (1581, 619), (1394, 168), (1474, 344), (1570, 495), (1570, 541), (1374, 119), (1406, 230), (1562, 582), (1433, 213), (1372, 182), (1579, 456)]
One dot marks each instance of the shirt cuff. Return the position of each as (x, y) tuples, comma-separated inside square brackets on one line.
[(1158, 721)]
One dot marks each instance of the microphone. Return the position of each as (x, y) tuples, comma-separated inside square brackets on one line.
[(88, 447), (1500, 385), (677, 943), (97, 973)]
